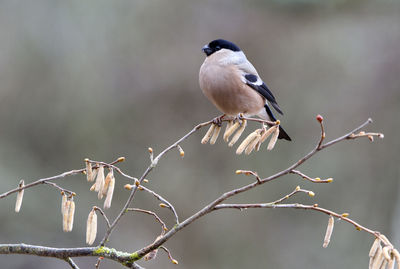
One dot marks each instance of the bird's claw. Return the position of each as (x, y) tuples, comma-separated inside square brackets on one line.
[(218, 120), (239, 117)]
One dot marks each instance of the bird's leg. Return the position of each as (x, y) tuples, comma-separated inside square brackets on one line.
[(218, 120), (239, 118)]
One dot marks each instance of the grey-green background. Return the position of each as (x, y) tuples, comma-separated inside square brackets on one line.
[(104, 79)]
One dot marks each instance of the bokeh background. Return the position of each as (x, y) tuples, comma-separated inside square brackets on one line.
[(104, 79)]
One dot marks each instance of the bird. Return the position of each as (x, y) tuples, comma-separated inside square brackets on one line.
[(233, 85)]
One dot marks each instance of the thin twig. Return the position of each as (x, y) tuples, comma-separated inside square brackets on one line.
[(128, 259), (60, 188), (249, 172), (103, 214), (169, 254), (97, 265), (144, 175), (315, 180), (163, 226), (210, 207), (43, 181), (296, 190), (300, 206), (320, 119), (165, 201), (71, 263)]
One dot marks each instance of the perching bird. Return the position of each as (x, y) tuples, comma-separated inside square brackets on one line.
[(233, 85)]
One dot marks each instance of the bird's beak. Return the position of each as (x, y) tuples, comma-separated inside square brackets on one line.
[(207, 50)]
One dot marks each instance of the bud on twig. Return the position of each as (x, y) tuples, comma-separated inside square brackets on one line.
[(20, 196), (181, 152), (128, 186), (121, 159)]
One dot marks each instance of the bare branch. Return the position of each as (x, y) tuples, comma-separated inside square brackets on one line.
[(315, 180), (296, 190), (128, 259), (71, 263), (159, 197), (124, 258), (103, 214), (58, 187), (306, 207), (43, 181), (210, 207), (163, 226), (144, 175), (169, 255)]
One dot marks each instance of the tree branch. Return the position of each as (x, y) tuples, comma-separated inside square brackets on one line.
[(211, 206), (71, 263), (124, 258), (128, 259)]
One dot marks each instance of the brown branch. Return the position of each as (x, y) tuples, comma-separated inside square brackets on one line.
[(71, 263), (60, 188), (297, 190), (163, 226), (126, 259), (97, 265), (103, 214), (307, 207), (65, 174), (160, 198), (210, 207), (169, 255), (144, 175), (43, 181), (320, 119), (315, 180)]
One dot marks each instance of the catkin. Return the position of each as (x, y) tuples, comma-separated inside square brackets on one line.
[(329, 230)]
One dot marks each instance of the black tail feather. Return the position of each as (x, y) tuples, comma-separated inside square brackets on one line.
[(283, 134)]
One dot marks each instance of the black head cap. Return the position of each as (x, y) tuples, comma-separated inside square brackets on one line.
[(218, 44)]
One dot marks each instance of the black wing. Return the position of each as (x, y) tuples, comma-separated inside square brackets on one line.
[(258, 85)]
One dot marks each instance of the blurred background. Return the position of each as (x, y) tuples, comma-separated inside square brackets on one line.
[(103, 79)]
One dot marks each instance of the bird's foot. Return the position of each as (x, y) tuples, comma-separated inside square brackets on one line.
[(239, 118), (218, 120)]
